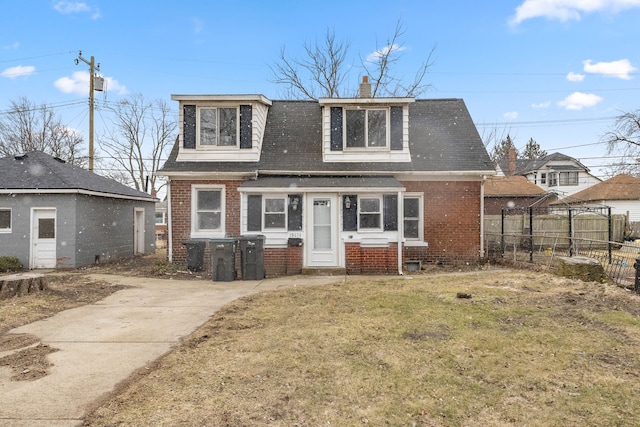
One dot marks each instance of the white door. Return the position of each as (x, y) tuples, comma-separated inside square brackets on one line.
[(322, 246), (43, 238), (138, 231)]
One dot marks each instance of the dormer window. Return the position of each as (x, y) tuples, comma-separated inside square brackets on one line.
[(217, 127), (366, 128)]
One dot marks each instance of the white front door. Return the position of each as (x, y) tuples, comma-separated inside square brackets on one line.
[(138, 231), (43, 238), (322, 246)]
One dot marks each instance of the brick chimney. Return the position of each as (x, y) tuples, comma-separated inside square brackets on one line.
[(512, 161), (365, 87)]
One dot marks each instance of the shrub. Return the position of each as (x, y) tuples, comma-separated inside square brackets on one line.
[(9, 263)]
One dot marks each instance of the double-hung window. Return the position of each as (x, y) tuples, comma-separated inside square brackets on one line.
[(207, 210), (543, 178), (553, 179), (366, 128), (568, 178), (370, 213), (275, 213), (5, 220), (218, 127), (412, 208)]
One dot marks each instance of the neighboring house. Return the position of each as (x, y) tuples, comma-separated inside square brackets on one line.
[(161, 224), (358, 184), (512, 192), (556, 173), (56, 215), (621, 193)]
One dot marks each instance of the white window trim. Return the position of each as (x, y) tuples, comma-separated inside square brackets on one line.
[(199, 146), (367, 148), (380, 213), (194, 208), (282, 197), (410, 240), (7, 230)]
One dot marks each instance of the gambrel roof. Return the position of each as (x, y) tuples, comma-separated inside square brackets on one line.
[(442, 138)]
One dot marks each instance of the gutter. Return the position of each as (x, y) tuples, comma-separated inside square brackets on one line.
[(484, 179), (169, 223), (400, 232)]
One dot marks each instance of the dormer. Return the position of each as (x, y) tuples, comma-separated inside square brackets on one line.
[(365, 129), (221, 128)]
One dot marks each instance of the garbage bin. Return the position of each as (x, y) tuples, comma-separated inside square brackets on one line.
[(195, 254), (223, 259), (252, 257)]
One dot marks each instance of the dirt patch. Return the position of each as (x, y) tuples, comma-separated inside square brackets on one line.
[(14, 341), (30, 363)]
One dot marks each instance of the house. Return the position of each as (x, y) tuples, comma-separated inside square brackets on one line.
[(56, 215), (620, 193), (161, 224), (556, 172), (512, 192), (361, 185)]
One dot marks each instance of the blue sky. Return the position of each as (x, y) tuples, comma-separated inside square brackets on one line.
[(557, 71)]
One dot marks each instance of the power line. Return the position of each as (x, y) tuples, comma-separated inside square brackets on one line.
[(36, 57)]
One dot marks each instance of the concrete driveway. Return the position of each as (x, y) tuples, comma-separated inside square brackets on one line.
[(101, 344)]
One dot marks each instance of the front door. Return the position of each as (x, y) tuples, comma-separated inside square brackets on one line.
[(322, 246), (43, 238)]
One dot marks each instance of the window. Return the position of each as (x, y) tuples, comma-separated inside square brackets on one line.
[(275, 215), (553, 179), (5, 220), (370, 213), (218, 127), (161, 218), (413, 217), (207, 210), (543, 178), (366, 128), (568, 178)]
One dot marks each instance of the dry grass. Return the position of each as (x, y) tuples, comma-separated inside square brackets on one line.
[(526, 349)]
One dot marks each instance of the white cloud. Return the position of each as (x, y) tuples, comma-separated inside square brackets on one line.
[(566, 10), (377, 54), (198, 25), (510, 115), (78, 84), (575, 77), (18, 71), (68, 7), (619, 69), (545, 104), (12, 46), (579, 100)]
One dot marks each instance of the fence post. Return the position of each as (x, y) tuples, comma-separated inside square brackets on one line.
[(610, 234), (570, 232), (502, 233), (530, 234), (636, 286)]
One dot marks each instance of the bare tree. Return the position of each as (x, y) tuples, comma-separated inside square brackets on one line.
[(500, 151), (29, 127), (323, 70), (624, 140), (137, 142)]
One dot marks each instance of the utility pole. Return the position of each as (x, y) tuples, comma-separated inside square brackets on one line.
[(92, 75)]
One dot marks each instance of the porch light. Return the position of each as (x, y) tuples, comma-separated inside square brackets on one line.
[(294, 203), (347, 202)]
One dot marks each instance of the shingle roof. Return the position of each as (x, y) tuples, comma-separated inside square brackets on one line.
[(39, 171), (525, 166), (620, 187), (442, 137), (511, 186)]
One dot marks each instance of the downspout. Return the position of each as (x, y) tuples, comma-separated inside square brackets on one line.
[(169, 228), (400, 232), (484, 179)]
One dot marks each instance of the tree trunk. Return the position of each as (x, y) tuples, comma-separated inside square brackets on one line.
[(21, 284)]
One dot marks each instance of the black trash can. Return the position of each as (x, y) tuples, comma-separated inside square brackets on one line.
[(252, 257), (195, 254), (223, 259)]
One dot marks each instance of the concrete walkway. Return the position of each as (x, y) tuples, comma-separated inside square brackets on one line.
[(101, 344)]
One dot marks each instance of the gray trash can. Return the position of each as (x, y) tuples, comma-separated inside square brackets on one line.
[(223, 260), (195, 254), (252, 257)]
